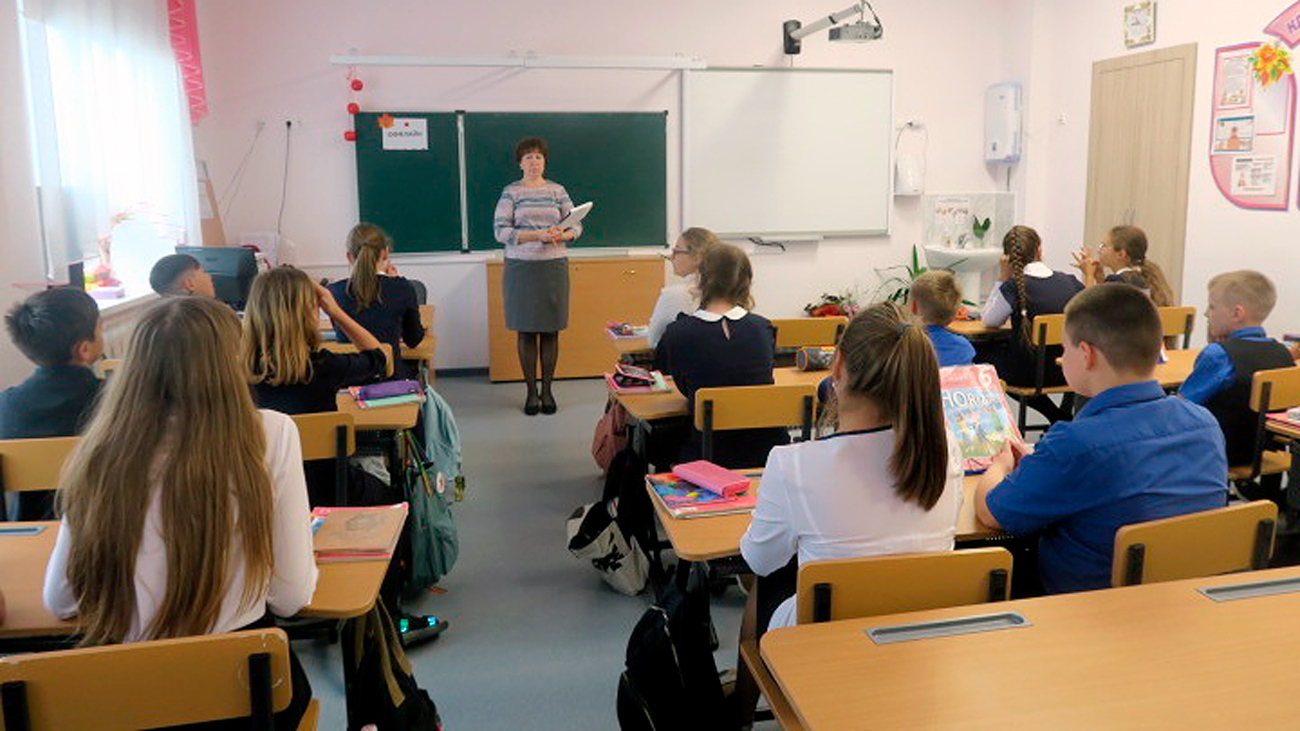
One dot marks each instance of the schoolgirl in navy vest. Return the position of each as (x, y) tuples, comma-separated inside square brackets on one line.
[(1027, 288), (383, 303), (722, 344), (1123, 252)]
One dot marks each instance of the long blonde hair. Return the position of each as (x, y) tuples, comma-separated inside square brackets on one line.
[(888, 359), (180, 381), (367, 244), (281, 327)]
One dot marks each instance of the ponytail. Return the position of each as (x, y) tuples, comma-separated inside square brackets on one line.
[(1133, 242), (367, 244), (889, 360), (1021, 245)]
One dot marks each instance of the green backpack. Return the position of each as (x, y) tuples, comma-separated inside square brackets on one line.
[(433, 545)]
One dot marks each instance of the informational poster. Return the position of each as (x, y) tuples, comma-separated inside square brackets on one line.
[(405, 133), (1253, 126)]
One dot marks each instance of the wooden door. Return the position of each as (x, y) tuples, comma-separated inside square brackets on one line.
[(1139, 151)]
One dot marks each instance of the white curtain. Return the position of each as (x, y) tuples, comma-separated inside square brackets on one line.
[(111, 124)]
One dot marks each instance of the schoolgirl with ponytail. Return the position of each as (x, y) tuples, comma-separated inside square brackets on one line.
[(380, 300), (889, 480), (1124, 253), (1027, 288)]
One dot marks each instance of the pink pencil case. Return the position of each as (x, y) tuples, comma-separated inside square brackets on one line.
[(713, 478)]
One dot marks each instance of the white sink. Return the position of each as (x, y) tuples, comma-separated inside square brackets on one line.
[(966, 264)]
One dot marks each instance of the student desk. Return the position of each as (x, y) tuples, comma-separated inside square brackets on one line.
[(977, 330), (718, 536), (632, 350), (343, 590), (649, 407), (1151, 656), (384, 418)]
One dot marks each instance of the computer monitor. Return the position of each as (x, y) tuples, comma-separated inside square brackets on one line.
[(232, 269)]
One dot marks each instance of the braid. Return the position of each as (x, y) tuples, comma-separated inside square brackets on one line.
[(1019, 259)]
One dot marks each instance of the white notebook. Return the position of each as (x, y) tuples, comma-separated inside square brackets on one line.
[(576, 215)]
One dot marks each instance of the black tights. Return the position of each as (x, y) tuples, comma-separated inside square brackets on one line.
[(530, 344)]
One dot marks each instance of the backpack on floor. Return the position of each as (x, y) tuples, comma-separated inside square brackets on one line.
[(595, 536), (671, 682), (433, 543), (384, 691)]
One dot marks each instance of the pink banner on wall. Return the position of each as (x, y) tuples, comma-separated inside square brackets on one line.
[(1252, 131), (1286, 26), (185, 42)]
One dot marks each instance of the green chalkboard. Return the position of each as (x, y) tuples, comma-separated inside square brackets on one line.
[(414, 195), (617, 160)]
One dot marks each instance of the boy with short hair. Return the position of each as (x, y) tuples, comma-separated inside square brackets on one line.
[(935, 298), (1239, 302), (1132, 454), (180, 274), (58, 330)]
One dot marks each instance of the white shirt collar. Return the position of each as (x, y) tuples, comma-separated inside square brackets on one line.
[(735, 313), (1038, 270), (1125, 269)]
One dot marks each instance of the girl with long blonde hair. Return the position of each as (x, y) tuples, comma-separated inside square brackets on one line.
[(888, 481), (281, 345), (376, 296), (681, 297), (184, 507)]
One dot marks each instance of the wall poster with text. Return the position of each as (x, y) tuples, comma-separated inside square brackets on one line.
[(1252, 130)]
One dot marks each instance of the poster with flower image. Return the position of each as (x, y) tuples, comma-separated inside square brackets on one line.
[(1253, 125)]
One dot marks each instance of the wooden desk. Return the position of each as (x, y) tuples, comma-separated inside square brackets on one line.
[(1152, 656), (343, 590), (647, 407), (384, 418), (718, 536), (631, 349), (1177, 367), (977, 330)]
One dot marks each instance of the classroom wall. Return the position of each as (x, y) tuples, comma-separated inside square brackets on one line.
[(1068, 38), (20, 248), (269, 62)]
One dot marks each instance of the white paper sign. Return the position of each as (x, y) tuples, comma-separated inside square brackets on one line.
[(407, 133), (1254, 176)]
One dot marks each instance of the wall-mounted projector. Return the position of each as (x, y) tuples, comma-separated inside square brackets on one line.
[(856, 32), (793, 32)]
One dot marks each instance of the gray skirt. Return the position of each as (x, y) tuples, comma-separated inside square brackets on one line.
[(536, 295)]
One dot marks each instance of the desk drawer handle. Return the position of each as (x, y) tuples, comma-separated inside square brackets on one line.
[(629, 271), (946, 627)]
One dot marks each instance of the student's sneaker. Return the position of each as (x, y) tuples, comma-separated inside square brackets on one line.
[(417, 630)]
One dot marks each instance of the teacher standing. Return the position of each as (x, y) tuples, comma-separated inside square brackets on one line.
[(535, 283)]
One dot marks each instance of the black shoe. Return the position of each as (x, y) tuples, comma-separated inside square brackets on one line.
[(419, 630), (548, 403), (532, 405)]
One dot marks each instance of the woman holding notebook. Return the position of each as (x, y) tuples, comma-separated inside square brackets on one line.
[(535, 283)]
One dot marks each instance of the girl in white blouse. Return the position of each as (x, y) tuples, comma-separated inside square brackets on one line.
[(682, 296), (888, 481), (184, 507)]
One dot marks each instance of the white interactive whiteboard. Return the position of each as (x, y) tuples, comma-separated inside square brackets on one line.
[(785, 152)]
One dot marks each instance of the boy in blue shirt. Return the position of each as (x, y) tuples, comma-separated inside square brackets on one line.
[(1132, 454), (1239, 302), (59, 330), (935, 298)]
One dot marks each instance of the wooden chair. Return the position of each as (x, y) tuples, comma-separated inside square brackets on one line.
[(329, 435), (799, 332), (1178, 322), (753, 407), (32, 464), (349, 348), (152, 684), (1046, 331), (1219, 541), (865, 587), (1272, 390)]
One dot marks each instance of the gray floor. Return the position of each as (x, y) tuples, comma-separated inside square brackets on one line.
[(536, 639)]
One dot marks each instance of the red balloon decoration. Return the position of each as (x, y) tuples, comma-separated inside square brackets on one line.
[(350, 136), (353, 107), (357, 85)]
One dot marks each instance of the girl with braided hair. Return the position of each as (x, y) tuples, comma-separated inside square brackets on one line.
[(1027, 288)]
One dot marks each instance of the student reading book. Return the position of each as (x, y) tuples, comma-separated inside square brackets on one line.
[(888, 481), (975, 408)]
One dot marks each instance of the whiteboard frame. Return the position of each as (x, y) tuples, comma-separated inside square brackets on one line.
[(686, 182)]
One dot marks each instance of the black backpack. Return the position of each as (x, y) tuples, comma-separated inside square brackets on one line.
[(384, 691), (671, 682)]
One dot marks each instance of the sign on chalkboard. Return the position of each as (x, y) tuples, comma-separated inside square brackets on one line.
[(405, 133)]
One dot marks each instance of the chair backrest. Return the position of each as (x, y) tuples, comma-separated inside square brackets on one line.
[(1206, 543), (426, 315), (329, 435), (1275, 389), (1178, 321), (349, 348), (753, 407), (1048, 330), (149, 684), (905, 582), (799, 332), (33, 464)]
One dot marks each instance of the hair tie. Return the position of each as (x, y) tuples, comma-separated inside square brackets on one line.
[(902, 328)]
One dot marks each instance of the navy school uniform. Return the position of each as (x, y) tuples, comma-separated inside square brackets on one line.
[(394, 318), (1048, 292), (1221, 378), (55, 401), (1132, 454), (696, 352)]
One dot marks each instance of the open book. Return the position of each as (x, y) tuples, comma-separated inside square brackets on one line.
[(976, 410)]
